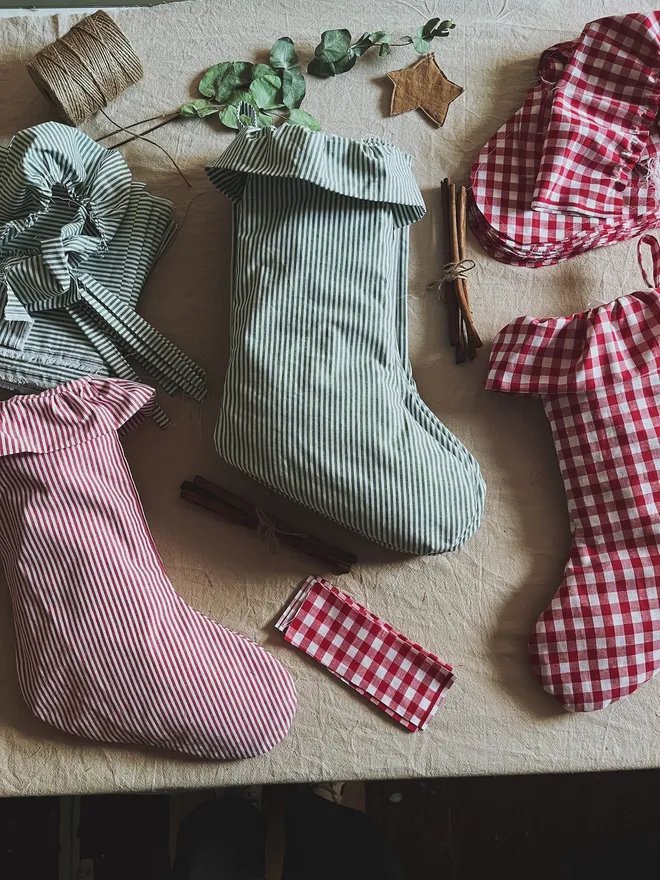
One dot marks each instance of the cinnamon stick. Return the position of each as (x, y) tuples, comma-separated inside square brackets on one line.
[(463, 333), (201, 499), (224, 495), (473, 338), (454, 251), (234, 509), (449, 292), (251, 511)]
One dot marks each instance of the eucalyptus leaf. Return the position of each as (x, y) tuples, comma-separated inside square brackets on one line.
[(265, 119), (319, 67), (420, 44), (429, 28), (443, 28), (237, 96), (243, 71), (293, 87), (262, 70), (199, 107), (229, 116), (225, 85), (267, 91), (345, 64), (301, 117), (334, 45), (363, 44), (384, 49), (283, 54), (380, 37), (218, 80)]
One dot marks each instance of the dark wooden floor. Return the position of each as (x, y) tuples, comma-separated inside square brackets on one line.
[(576, 827)]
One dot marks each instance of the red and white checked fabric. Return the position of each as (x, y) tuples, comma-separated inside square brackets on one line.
[(106, 649), (598, 375), (570, 170), (400, 677)]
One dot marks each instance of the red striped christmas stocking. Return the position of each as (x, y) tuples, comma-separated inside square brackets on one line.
[(106, 649)]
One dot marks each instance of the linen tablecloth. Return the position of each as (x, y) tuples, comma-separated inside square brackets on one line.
[(474, 608)]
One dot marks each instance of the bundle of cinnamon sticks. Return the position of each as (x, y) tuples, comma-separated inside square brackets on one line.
[(462, 331), (230, 507)]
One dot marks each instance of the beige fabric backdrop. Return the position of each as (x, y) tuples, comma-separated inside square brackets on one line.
[(474, 608)]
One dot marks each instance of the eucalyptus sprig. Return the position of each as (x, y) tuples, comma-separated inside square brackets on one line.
[(275, 90), (336, 53)]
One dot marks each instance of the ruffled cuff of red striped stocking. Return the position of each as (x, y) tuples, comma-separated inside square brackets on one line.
[(72, 414)]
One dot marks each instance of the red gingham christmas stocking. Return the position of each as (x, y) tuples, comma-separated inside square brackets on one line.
[(106, 649), (597, 374)]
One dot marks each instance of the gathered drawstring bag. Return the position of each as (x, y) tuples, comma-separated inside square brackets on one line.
[(319, 400), (78, 238), (577, 166), (105, 648)]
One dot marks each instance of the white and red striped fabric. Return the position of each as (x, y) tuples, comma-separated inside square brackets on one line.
[(106, 649), (598, 375), (403, 679), (570, 170)]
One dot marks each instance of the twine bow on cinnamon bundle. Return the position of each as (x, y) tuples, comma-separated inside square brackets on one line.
[(463, 334)]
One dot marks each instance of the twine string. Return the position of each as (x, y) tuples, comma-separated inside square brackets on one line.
[(270, 532), (452, 272), (87, 68), (147, 141)]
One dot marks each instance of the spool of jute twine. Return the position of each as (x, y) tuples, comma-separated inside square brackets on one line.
[(87, 68)]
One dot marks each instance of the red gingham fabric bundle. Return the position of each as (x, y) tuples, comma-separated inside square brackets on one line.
[(598, 375), (574, 168), (401, 678), (106, 649)]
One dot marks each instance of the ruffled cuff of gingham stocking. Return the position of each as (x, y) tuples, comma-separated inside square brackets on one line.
[(603, 106)]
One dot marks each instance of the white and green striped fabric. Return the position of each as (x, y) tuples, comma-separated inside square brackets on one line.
[(78, 238), (319, 399)]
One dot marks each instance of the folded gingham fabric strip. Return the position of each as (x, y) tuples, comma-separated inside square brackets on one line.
[(571, 170), (400, 677)]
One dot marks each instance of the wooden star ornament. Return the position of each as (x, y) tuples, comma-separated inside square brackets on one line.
[(423, 87)]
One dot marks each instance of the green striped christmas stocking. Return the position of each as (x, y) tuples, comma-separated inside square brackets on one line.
[(319, 401)]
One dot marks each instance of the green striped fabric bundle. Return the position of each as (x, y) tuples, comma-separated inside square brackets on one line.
[(78, 238), (319, 399)]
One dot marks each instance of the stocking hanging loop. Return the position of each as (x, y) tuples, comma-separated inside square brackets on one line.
[(654, 246)]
